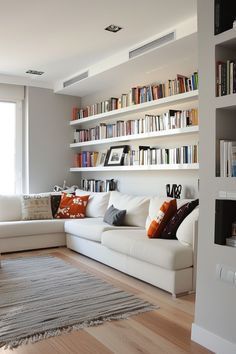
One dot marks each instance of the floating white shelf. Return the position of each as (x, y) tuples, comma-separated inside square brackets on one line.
[(166, 101), (226, 102), (226, 39), (193, 166), (162, 133)]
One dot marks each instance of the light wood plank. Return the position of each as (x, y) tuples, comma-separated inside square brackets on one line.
[(166, 330)]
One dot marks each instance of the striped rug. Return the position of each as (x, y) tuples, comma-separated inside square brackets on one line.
[(42, 297)]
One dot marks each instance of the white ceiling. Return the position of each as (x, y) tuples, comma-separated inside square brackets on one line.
[(62, 37)]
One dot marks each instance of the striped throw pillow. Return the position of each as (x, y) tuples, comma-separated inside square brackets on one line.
[(157, 225)]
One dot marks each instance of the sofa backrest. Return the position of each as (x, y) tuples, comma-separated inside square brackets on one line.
[(97, 203), (136, 207), (10, 207)]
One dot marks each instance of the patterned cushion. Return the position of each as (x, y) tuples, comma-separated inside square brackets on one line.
[(36, 207), (72, 207), (171, 228), (157, 225)]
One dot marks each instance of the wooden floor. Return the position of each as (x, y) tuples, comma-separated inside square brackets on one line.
[(165, 330)]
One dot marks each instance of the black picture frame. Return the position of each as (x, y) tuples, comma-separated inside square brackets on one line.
[(115, 155)]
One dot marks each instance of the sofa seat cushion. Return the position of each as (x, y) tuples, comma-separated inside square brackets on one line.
[(169, 254), (32, 227), (91, 228)]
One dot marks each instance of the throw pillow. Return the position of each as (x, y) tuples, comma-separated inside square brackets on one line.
[(170, 230), (72, 207), (157, 225), (55, 202), (36, 207), (114, 216)]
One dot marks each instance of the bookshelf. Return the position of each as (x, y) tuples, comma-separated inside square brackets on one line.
[(225, 106), (152, 68), (163, 139), (212, 295)]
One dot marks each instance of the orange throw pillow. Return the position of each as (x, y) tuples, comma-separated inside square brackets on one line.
[(72, 207), (167, 210)]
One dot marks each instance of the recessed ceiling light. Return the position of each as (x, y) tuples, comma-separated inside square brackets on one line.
[(113, 28), (34, 72)]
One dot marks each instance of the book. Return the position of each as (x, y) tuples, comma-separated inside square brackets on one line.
[(223, 79), (225, 13), (227, 158)]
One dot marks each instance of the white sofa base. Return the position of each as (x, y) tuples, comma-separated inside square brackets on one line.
[(31, 242), (173, 281)]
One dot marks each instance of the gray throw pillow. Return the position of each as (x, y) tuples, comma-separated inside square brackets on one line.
[(114, 216)]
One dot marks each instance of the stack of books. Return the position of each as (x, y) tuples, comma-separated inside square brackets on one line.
[(231, 241), (86, 159), (140, 94), (154, 156), (225, 78), (227, 158), (98, 185)]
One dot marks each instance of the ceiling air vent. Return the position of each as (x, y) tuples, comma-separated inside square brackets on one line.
[(75, 79), (152, 45), (34, 72)]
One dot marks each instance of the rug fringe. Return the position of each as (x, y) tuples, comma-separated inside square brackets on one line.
[(59, 331)]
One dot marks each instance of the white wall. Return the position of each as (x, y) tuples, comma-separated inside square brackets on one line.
[(215, 317), (49, 135)]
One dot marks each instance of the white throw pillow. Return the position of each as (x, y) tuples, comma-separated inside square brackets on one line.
[(185, 231), (136, 207), (10, 207), (97, 204), (156, 203)]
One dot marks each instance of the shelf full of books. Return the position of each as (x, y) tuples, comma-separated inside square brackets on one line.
[(98, 185), (225, 77), (227, 158), (172, 119), (142, 156), (139, 95)]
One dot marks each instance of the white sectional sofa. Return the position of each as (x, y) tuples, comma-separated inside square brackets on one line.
[(167, 264)]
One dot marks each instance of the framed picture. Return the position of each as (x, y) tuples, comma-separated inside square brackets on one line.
[(115, 156)]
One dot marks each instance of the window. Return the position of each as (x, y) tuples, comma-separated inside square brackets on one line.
[(10, 148)]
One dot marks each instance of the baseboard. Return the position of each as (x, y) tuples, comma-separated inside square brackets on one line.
[(211, 341)]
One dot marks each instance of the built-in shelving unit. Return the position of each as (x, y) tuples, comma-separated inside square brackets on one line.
[(225, 106)]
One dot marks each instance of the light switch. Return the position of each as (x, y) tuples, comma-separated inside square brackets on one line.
[(226, 274)]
